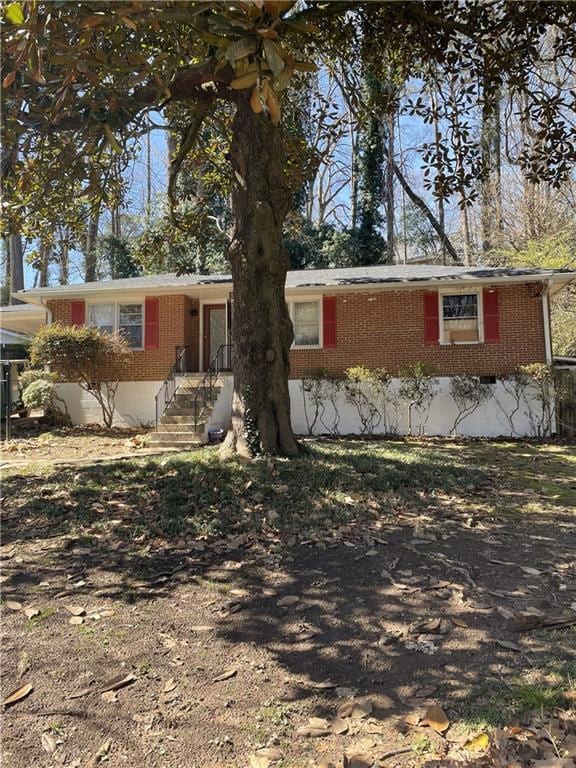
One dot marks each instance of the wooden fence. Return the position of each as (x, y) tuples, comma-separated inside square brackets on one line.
[(566, 402)]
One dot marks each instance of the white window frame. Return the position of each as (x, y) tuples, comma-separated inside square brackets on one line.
[(479, 304), (309, 300), (116, 305)]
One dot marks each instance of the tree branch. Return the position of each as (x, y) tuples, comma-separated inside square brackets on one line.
[(421, 204), (186, 145)]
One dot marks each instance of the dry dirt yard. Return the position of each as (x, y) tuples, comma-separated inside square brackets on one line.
[(376, 603), (76, 444)]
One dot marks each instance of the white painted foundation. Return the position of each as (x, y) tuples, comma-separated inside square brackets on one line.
[(490, 420), (135, 407), (134, 404)]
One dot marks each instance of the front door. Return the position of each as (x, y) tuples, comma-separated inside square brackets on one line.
[(214, 331)]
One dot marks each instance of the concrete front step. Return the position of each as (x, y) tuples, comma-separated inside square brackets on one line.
[(183, 416), (189, 427), (176, 438), (192, 394)]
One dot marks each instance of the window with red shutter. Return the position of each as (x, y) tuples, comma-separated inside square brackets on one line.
[(329, 321)]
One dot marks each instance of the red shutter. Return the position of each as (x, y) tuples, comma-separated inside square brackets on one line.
[(329, 321), (151, 323), (431, 319), (491, 316), (77, 312)]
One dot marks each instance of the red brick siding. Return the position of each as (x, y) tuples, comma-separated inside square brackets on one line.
[(175, 327), (386, 329), (376, 329)]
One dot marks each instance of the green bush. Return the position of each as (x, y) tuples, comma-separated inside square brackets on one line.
[(39, 394), (93, 360)]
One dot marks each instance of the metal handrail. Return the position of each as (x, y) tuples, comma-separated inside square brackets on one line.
[(166, 393), (204, 391)]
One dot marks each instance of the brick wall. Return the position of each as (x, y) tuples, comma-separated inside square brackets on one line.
[(379, 329), (386, 329), (176, 327)]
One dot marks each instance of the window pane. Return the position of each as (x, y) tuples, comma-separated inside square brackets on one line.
[(460, 318), (130, 323), (101, 316), (306, 323), (460, 305)]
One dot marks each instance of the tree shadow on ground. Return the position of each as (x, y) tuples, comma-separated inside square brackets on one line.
[(399, 555)]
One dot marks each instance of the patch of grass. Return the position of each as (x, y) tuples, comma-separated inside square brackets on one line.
[(493, 704), (422, 745), (42, 616), (336, 481)]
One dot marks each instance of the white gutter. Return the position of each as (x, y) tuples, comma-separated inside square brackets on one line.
[(548, 349), (546, 317), (48, 311)]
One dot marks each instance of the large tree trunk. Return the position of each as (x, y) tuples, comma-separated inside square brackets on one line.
[(261, 328), (389, 183), (16, 258)]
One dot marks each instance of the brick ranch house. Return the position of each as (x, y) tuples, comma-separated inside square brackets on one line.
[(478, 321)]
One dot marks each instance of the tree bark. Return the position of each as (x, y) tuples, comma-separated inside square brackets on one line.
[(491, 186), (261, 327), (389, 183), (43, 266), (90, 256), (438, 146), (16, 253)]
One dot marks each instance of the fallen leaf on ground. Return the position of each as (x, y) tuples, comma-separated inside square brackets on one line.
[(80, 694), (101, 753), (169, 685), (13, 605), (31, 612), (413, 718), (459, 622), (361, 709), (109, 697), (225, 675), (311, 731), (76, 620), (358, 761), (49, 743), (509, 646), (288, 600), (339, 726), (325, 685), (18, 694), (478, 743), (265, 757), (118, 682), (437, 719), (531, 571), (23, 664), (75, 610), (259, 761)]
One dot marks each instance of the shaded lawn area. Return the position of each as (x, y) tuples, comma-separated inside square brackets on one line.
[(406, 564)]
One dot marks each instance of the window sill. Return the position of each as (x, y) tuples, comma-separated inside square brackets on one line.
[(460, 343), (307, 346)]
